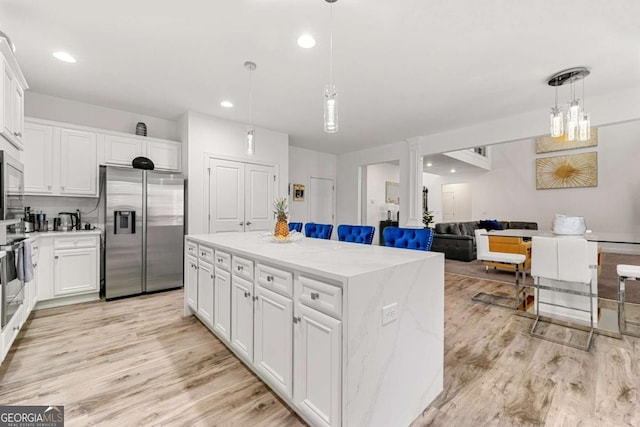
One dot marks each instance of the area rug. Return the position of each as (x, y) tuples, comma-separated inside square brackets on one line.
[(607, 280)]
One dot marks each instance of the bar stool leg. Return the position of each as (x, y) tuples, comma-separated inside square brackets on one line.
[(622, 324)]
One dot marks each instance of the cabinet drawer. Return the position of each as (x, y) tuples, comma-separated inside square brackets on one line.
[(205, 253), (223, 260), (192, 248), (74, 242), (321, 296), (277, 280), (242, 267)]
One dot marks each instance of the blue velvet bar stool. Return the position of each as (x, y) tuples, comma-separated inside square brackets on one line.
[(626, 272), (318, 231), (356, 233), (295, 226), (408, 238)]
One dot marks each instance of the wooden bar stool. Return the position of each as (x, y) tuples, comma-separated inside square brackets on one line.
[(626, 272)]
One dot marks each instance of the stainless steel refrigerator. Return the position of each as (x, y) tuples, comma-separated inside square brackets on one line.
[(143, 214)]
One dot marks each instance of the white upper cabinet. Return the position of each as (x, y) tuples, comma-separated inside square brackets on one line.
[(121, 150), (38, 167), (78, 163), (12, 89), (166, 155), (63, 159)]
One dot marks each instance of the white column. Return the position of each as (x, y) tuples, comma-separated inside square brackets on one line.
[(414, 218)]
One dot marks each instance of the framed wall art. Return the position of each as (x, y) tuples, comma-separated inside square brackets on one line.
[(298, 192), (572, 171), (546, 144)]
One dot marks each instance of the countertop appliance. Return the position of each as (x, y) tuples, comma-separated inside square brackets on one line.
[(68, 221), (12, 287), (142, 215)]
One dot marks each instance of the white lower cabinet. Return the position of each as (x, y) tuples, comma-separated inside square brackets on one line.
[(191, 282), (273, 339), (222, 305), (317, 366), (205, 292), (242, 317), (75, 271), (287, 327)]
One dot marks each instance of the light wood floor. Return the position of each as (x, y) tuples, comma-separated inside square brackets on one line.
[(138, 362)]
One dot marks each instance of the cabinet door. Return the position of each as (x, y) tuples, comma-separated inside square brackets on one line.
[(78, 163), (17, 111), (191, 288), (44, 269), (205, 292), (7, 99), (273, 348), (120, 150), (38, 159), (222, 305), (165, 155), (242, 317), (226, 181), (258, 205), (75, 271), (317, 372)]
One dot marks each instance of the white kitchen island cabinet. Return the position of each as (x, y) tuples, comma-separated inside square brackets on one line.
[(346, 334)]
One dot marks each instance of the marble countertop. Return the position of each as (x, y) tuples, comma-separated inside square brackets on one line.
[(329, 258), (36, 234), (628, 238)]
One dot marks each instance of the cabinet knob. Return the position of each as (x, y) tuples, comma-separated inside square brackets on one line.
[(255, 298), (269, 278), (241, 223), (220, 260), (315, 295), (212, 276), (55, 257), (18, 134), (248, 222), (240, 268), (296, 319), (247, 294)]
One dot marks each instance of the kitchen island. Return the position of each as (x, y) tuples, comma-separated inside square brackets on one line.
[(346, 334)]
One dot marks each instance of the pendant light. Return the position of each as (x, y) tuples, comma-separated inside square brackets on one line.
[(576, 122), (251, 131), (330, 93)]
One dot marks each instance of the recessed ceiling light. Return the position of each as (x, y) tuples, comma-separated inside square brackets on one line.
[(453, 171), (226, 104), (306, 41), (65, 57), (429, 164)]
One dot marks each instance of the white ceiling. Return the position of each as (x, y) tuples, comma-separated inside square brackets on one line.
[(402, 67)]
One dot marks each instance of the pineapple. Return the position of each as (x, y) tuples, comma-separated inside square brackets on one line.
[(282, 228)]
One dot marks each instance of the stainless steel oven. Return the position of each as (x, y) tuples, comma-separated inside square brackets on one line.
[(11, 189), (12, 286)]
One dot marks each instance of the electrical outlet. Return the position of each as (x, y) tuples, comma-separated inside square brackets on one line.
[(389, 313)]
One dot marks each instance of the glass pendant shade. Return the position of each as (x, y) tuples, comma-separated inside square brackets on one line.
[(574, 111), (251, 141), (584, 128), (557, 122), (330, 109)]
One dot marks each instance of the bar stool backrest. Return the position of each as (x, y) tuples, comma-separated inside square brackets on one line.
[(563, 258)]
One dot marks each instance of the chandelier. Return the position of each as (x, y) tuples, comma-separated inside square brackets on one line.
[(251, 131), (575, 124)]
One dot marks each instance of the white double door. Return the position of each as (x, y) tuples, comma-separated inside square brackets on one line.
[(240, 196)]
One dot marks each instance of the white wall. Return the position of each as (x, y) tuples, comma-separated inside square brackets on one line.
[(508, 192), (462, 201), (434, 184), (376, 207), (304, 164), (64, 110), (208, 135)]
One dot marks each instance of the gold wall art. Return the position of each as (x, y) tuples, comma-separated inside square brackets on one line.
[(573, 171), (546, 144)]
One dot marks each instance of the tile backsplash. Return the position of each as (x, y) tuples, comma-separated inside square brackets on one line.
[(51, 206)]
